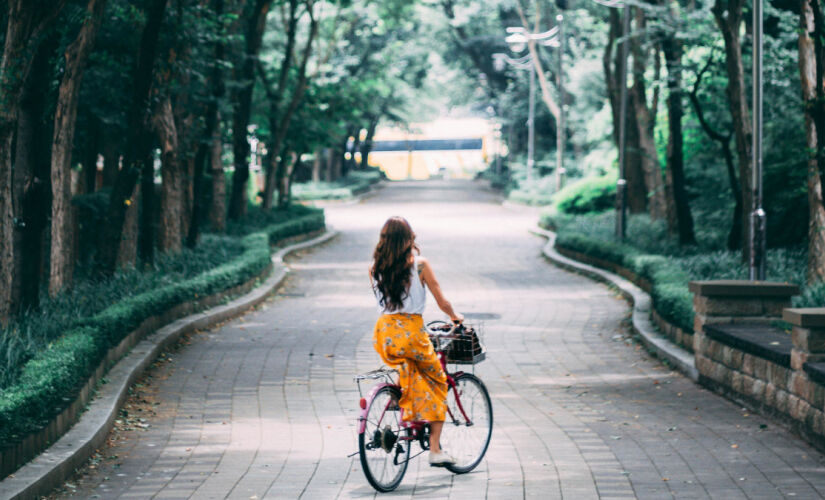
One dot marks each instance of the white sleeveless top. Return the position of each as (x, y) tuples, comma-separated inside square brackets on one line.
[(414, 300)]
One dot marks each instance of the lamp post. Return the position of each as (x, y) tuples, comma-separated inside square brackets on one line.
[(621, 184), (531, 125), (518, 39), (758, 219), (560, 135), (524, 63)]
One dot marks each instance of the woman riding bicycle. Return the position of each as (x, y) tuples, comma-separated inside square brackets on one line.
[(399, 278)]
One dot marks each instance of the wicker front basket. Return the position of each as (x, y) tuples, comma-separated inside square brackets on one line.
[(466, 349)]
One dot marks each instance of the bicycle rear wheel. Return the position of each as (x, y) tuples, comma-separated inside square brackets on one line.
[(384, 456), (467, 433)]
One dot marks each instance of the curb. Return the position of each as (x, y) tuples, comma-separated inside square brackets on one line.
[(59, 461), (640, 301)]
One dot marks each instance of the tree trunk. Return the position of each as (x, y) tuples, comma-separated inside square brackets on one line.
[(26, 22), (286, 176), (61, 261), (812, 76), (212, 132), (243, 106), (316, 165), (612, 64), (336, 155), (217, 209), (188, 193), (170, 233), (327, 165), (32, 201), (645, 122), (90, 157), (111, 158), (728, 16), (138, 149), (147, 227), (735, 233), (366, 146), (281, 126), (356, 146), (675, 151), (128, 245)]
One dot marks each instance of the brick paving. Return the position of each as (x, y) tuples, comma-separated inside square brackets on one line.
[(265, 406)]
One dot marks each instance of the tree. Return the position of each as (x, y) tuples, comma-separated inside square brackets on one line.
[(728, 16), (812, 73), (26, 23), (30, 187), (612, 66), (254, 18), (735, 234), (138, 153), (61, 255), (646, 117), (280, 119), (681, 221), (210, 148)]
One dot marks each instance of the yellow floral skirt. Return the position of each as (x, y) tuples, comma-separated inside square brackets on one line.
[(402, 342)]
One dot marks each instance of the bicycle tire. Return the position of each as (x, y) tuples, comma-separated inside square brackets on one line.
[(375, 460), (478, 406)]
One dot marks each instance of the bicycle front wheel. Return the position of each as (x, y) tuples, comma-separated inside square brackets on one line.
[(469, 423), (384, 456)]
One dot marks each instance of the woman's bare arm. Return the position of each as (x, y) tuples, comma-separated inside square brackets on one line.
[(428, 276)]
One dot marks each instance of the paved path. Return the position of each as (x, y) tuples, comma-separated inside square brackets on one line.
[(265, 405)]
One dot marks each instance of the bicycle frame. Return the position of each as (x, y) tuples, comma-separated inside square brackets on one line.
[(415, 427)]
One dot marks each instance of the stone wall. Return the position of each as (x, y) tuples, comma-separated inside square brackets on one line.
[(742, 351)]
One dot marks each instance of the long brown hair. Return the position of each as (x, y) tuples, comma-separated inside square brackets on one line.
[(392, 265)]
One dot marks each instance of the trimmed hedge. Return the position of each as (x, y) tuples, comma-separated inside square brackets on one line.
[(50, 381), (669, 283), (353, 184), (592, 194)]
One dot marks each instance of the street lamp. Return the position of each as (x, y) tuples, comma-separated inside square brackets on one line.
[(560, 124), (518, 39), (758, 220), (523, 63), (621, 183)]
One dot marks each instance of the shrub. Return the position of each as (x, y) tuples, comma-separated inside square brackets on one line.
[(49, 380), (812, 296), (33, 330), (654, 255), (588, 195), (538, 191), (257, 219), (353, 184)]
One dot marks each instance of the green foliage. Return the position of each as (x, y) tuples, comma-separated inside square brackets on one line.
[(592, 194), (257, 219), (650, 253), (81, 329), (345, 188), (812, 296), (536, 192)]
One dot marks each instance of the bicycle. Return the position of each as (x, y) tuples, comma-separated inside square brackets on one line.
[(385, 440)]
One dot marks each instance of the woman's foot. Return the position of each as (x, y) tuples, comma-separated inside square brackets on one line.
[(440, 459)]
